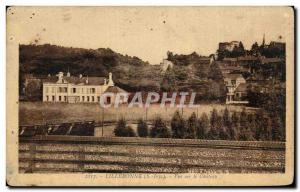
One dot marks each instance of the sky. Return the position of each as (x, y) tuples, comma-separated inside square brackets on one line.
[(148, 32)]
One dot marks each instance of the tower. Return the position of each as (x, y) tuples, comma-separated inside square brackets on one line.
[(263, 42)]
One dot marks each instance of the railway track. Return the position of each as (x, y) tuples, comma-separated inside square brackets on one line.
[(147, 155)]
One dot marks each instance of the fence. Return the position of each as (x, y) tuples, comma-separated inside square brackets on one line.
[(53, 154)]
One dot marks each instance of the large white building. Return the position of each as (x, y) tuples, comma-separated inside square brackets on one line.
[(73, 89)]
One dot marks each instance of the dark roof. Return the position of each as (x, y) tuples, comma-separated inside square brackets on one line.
[(247, 58), (114, 89), (232, 75), (229, 59), (241, 88), (270, 60), (77, 80)]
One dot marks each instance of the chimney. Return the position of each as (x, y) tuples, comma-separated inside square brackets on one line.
[(110, 80), (87, 80), (105, 81), (60, 77), (68, 74)]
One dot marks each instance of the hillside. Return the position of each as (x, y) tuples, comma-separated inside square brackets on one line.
[(42, 60), (190, 73)]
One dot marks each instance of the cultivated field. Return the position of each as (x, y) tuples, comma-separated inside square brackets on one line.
[(39, 112)]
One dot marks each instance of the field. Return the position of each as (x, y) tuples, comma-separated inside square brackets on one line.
[(39, 112), (54, 154)]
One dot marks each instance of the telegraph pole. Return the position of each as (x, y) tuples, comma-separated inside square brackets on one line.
[(102, 120)]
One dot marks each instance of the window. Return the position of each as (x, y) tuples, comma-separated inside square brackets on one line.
[(53, 89), (82, 98), (87, 90), (88, 98), (93, 90), (65, 98), (47, 98), (59, 98), (98, 98), (62, 89), (93, 99), (108, 100), (53, 98), (73, 90)]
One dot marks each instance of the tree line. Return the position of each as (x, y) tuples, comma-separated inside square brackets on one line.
[(241, 126)]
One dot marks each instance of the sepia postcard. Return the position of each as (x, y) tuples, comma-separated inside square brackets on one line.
[(150, 96)]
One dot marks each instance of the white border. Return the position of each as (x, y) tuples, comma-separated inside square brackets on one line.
[(101, 3)]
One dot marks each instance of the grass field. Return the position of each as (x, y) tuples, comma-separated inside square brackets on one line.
[(39, 112)]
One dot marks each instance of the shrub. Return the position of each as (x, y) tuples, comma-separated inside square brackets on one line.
[(178, 125), (159, 129), (122, 130), (192, 125), (203, 127), (215, 125), (129, 132), (142, 128), (234, 130)]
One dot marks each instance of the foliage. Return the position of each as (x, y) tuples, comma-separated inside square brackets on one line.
[(178, 125), (159, 129), (122, 130), (142, 128), (203, 126), (192, 124)]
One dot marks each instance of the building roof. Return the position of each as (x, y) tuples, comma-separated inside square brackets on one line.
[(247, 58), (270, 60), (114, 89), (241, 88), (230, 59), (233, 75), (77, 80)]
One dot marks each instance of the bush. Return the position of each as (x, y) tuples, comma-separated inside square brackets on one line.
[(159, 129), (178, 125), (203, 127), (192, 125), (122, 130), (215, 125), (142, 128)]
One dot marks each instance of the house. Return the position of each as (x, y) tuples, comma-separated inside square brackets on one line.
[(228, 45), (75, 89), (236, 88), (166, 64)]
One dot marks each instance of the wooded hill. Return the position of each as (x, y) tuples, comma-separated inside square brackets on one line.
[(190, 72)]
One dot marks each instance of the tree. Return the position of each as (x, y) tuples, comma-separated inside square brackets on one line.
[(214, 72), (192, 125), (203, 127), (267, 129), (122, 130), (245, 131), (178, 125), (159, 129), (277, 131), (214, 125), (169, 80), (223, 130), (259, 118), (227, 129), (142, 128), (234, 131)]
